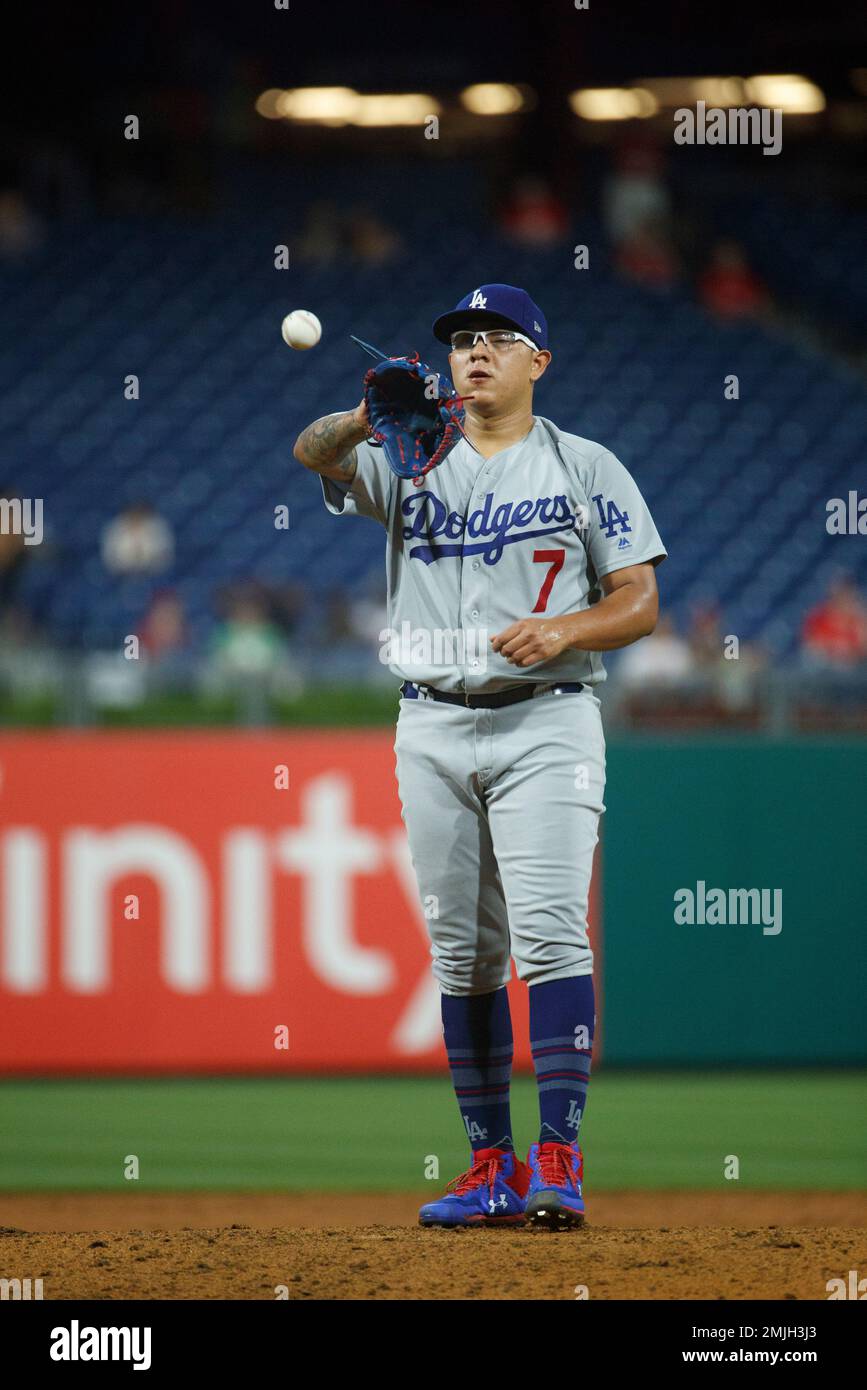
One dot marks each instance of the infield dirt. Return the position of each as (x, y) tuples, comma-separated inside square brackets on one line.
[(346, 1246)]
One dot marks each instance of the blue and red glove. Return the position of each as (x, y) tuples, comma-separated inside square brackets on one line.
[(415, 414)]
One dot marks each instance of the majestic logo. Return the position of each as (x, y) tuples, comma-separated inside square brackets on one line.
[(495, 527), (478, 300), (611, 518), (624, 544)]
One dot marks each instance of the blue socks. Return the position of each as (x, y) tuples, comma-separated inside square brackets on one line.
[(478, 1034), (562, 1021)]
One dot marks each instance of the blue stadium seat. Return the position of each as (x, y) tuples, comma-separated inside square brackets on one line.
[(738, 488)]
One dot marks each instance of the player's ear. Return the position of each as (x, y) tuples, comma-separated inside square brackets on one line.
[(539, 363)]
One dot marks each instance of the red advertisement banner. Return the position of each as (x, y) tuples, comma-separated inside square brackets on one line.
[(194, 902)]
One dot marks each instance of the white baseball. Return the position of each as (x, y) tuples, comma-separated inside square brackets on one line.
[(301, 329)]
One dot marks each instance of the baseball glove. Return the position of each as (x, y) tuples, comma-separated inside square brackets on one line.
[(415, 414)]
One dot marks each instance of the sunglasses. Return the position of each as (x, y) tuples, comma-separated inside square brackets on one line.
[(500, 339)]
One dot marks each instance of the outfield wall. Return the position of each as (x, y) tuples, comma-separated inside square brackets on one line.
[(736, 815), (213, 902)]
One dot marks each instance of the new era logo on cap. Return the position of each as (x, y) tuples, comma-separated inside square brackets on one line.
[(504, 306)]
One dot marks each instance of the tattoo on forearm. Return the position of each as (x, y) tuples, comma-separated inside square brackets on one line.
[(330, 442)]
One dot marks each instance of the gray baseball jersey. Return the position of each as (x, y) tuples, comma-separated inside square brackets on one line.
[(484, 542), (501, 806)]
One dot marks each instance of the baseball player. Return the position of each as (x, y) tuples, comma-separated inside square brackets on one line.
[(511, 566)]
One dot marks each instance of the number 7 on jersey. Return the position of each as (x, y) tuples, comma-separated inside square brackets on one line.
[(555, 559)]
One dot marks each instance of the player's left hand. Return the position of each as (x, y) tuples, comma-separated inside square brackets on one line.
[(530, 641)]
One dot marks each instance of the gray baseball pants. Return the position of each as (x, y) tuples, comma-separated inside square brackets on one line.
[(502, 810)]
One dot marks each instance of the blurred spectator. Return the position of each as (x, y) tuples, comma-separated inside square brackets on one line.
[(728, 288), (705, 637), (648, 257), (346, 640), (834, 633), (20, 228), (139, 541), (726, 667), (534, 216), (249, 651), (662, 659), (164, 630), (29, 667), (372, 240), (634, 195), (247, 642), (166, 648), (738, 676)]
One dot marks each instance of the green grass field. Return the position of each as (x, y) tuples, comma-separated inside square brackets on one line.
[(651, 1130)]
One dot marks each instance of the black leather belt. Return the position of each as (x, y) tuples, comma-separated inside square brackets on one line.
[(410, 691)]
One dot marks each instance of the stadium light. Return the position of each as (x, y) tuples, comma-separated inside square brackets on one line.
[(324, 105), (339, 106), (613, 103), (492, 98), (684, 91), (715, 91), (394, 108), (788, 92), (267, 104)]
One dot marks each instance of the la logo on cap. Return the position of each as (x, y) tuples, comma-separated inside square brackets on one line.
[(478, 300)]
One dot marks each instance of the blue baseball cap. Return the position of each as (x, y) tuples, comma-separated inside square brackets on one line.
[(503, 306)]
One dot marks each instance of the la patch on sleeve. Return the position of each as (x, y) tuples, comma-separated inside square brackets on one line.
[(611, 518)]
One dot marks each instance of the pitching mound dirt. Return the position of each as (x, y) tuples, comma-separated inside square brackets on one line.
[(342, 1246)]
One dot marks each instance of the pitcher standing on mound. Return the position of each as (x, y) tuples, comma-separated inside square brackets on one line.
[(536, 548)]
